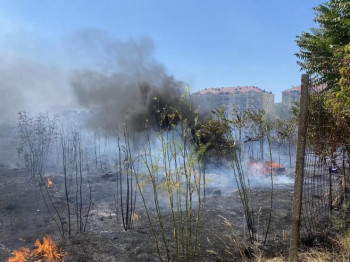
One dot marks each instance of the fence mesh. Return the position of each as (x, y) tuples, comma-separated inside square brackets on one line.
[(326, 171)]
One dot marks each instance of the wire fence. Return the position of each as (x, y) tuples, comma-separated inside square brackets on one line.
[(326, 171), (320, 199)]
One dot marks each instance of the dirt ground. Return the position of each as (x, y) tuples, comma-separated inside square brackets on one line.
[(23, 219)]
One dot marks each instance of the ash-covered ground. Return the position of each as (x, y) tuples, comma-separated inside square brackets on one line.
[(24, 218)]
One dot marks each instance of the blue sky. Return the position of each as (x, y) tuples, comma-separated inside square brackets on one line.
[(204, 43)]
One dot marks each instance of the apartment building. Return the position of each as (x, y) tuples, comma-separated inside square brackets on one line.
[(290, 97), (241, 97)]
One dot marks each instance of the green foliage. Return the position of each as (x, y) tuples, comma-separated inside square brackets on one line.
[(168, 166), (340, 102), (324, 53), (318, 48), (327, 131), (213, 138)]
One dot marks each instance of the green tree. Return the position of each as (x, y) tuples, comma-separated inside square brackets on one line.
[(213, 137), (319, 48), (324, 54), (340, 102)]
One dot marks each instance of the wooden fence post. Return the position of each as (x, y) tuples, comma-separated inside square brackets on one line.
[(299, 169)]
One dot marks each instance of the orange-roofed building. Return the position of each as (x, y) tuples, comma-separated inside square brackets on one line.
[(292, 95), (240, 97)]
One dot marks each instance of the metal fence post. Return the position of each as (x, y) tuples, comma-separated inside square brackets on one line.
[(299, 169)]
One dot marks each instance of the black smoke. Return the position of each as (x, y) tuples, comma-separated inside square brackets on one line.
[(128, 85)]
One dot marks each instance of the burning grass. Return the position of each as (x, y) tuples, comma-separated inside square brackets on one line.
[(265, 168), (49, 183), (174, 173), (47, 251)]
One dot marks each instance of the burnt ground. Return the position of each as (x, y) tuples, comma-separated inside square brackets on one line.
[(24, 218)]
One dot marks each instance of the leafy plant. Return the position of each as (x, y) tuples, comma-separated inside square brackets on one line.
[(318, 48), (172, 170)]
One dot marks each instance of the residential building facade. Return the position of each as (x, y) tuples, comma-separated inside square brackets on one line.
[(241, 98), (290, 97)]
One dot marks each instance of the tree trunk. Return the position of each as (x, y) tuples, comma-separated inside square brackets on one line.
[(299, 170)]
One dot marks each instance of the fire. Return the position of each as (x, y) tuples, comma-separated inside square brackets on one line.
[(265, 168), (135, 216), (272, 164), (20, 255), (45, 251), (49, 182), (48, 250), (273, 167)]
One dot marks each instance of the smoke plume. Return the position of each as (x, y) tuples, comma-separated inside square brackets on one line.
[(128, 86), (31, 86)]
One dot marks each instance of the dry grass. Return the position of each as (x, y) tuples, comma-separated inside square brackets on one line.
[(343, 243), (312, 255), (276, 259), (317, 255), (340, 252)]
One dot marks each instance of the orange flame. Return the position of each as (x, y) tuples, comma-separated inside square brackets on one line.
[(46, 251), (49, 182), (265, 168), (272, 164), (20, 255), (135, 216)]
